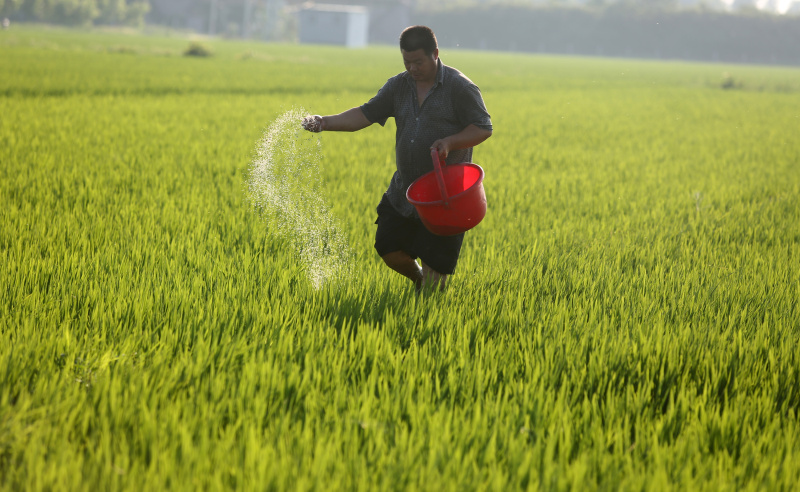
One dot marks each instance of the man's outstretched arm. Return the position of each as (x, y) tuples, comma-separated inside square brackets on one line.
[(350, 121)]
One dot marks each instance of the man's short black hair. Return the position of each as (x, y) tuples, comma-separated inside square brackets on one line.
[(418, 38)]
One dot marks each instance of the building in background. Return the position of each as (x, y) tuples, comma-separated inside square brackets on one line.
[(276, 20), (387, 18), (344, 25)]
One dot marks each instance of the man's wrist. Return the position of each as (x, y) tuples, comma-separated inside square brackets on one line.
[(448, 144)]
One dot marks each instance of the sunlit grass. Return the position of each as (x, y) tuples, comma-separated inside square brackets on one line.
[(625, 317)]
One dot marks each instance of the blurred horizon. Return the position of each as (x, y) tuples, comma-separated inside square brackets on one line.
[(742, 31)]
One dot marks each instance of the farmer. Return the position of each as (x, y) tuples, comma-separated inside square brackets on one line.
[(434, 107)]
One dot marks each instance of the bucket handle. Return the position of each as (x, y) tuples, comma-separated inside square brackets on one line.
[(438, 163)]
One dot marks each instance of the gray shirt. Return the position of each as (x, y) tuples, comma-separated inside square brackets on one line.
[(453, 103)]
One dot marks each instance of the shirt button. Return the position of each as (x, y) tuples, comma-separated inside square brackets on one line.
[(412, 141)]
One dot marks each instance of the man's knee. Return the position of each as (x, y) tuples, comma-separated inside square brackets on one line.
[(396, 259)]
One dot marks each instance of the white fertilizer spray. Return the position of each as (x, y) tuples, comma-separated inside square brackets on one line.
[(285, 186)]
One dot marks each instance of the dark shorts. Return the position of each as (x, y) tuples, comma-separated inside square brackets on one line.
[(398, 233)]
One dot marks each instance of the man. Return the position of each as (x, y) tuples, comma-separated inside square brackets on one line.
[(435, 107)]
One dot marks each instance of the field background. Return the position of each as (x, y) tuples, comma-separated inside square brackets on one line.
[(625, 318)]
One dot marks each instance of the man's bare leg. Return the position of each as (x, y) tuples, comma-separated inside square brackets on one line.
[(424, 276), (433, 278), (402, 263)]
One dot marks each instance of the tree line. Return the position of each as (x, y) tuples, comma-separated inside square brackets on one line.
[(620, 31), (77, 12)]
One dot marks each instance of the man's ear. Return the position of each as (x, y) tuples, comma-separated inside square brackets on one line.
[(436, 54)]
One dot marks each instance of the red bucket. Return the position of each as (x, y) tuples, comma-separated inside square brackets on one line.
[(449, 199)]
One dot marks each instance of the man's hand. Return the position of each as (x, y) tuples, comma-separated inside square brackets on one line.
[(443, 147), (468, 137), (314, 123)]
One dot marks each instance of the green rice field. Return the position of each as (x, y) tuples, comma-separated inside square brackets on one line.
[(625, 317)]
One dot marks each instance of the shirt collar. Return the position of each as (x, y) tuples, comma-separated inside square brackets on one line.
[(439, 71)]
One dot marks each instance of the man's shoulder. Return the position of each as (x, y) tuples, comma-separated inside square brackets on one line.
[(398, 80), (455, 77)]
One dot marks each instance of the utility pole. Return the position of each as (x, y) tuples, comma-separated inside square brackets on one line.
[(272, 17), (212, 18), (247, 20)]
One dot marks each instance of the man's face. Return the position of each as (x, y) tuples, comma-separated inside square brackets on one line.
[(421, 66)]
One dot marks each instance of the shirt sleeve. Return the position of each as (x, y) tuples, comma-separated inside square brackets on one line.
[(471, 109), (381, 106)]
